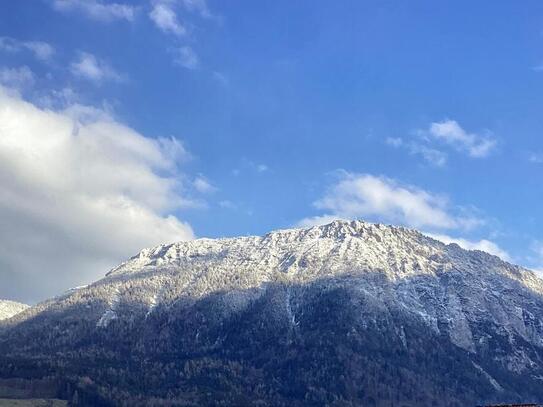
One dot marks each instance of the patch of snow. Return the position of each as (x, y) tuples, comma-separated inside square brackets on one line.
[(492, 381), (451, 290), (106, 318), (110, 314), (9, 309)]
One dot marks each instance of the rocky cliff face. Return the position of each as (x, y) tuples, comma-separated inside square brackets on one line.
[(349, 313)]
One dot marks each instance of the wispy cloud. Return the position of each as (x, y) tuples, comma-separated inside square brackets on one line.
[(41, 50), (387, 200), (89, 67), (186, 57), (198, 6), (97, 10), (57, 98), (431, 144), (17, 78), (450, 132), (202, 185), (165, 18), (431, 155), (165, 14)]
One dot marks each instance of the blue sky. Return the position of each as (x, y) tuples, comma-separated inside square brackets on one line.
[(245, 116)]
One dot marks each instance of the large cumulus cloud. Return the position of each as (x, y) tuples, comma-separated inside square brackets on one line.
[(78, 193)]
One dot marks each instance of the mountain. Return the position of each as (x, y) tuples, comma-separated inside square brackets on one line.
[(345, 314), (10, 308)]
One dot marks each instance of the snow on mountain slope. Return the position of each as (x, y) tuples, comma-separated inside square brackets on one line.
[(10, 308), (390, 278), (442, 284)]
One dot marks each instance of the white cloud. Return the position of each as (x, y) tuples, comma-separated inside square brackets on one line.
[(429, 144), (97, 10), (80, 192), (164, 15), (199, 6), (89, 67), (381, 199), (186, 57), (450, 132), (386, 200), (431, 155), (166, 20), (17, 78), (483, 245), (202, 185), (40, 49)]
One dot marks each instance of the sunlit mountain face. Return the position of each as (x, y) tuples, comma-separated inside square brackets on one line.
[(350, 312), (10, 308)]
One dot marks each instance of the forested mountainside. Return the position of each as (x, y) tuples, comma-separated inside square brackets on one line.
[(345, 314)]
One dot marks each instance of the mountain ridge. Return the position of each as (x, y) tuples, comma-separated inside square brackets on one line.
[(234, 300)]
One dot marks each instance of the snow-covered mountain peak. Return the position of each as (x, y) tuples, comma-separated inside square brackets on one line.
[(432, 280), (10, 308), (392, 281), (303, 255), (332, 246)]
